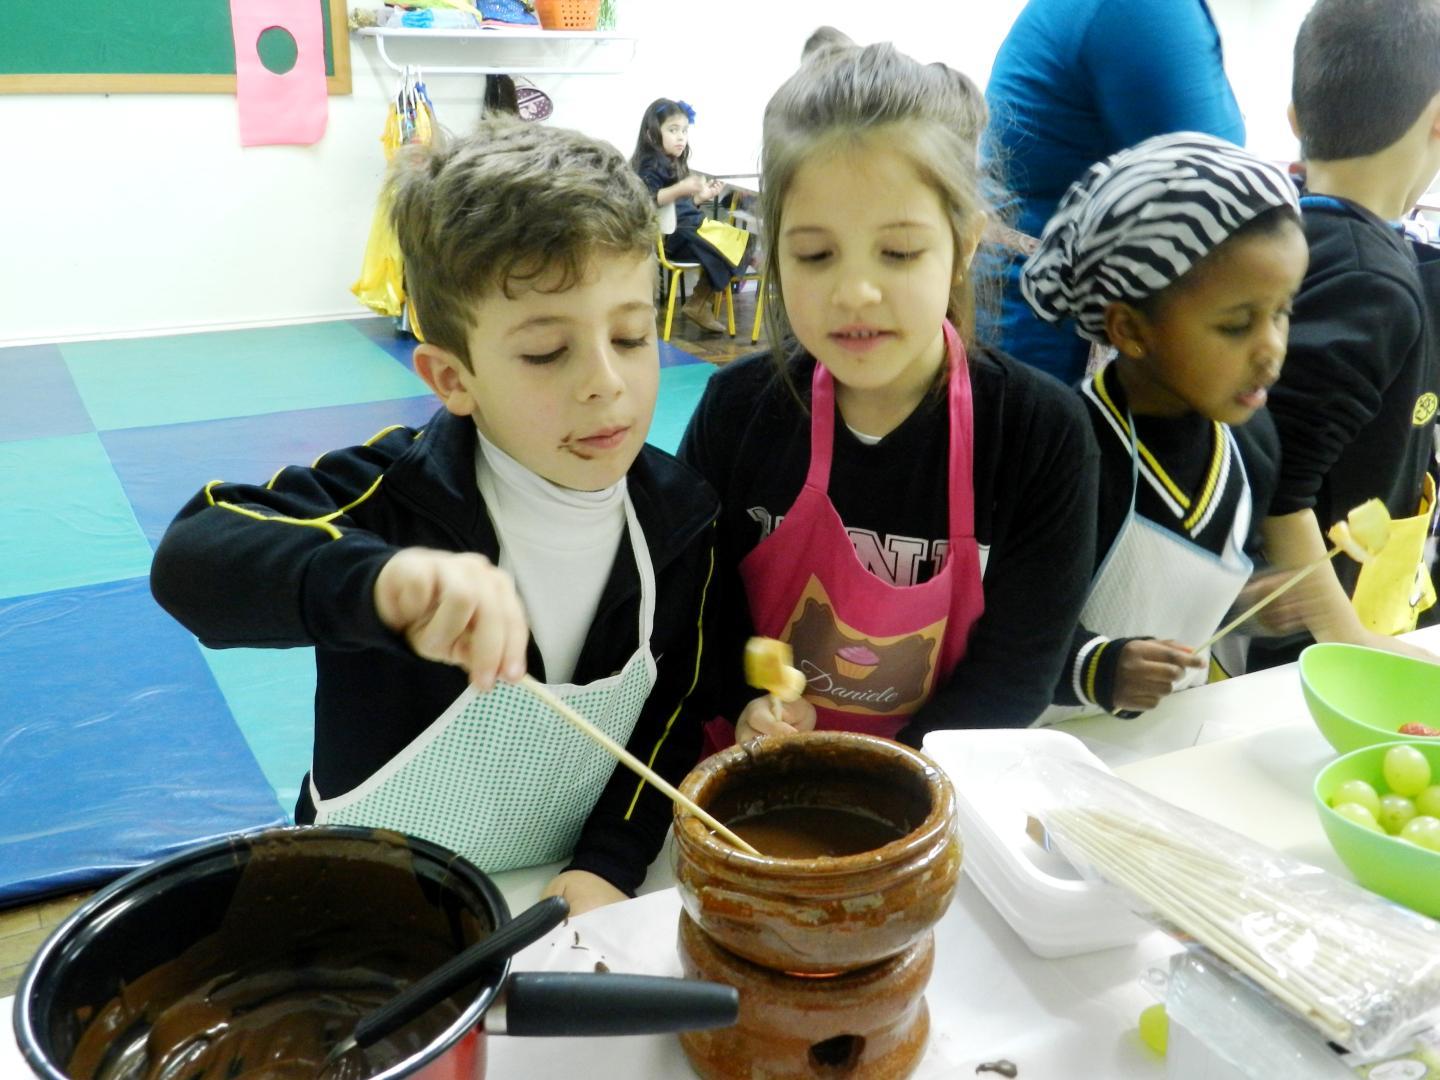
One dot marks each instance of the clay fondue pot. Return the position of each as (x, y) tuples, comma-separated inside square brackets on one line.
[(798, 911)]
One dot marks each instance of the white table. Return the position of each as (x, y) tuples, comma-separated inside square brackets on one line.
[(1249, 739)]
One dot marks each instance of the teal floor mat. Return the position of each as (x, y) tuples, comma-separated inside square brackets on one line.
[(64, 518), (172, 380), (680, 390)]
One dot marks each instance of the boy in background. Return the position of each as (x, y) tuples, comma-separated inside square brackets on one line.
[(1355, 405), (527, 527)]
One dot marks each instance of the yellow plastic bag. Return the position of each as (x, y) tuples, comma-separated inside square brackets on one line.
[(726, 239), (381, 285), (1395, 586)]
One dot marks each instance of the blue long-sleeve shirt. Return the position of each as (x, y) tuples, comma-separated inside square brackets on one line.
[(1076, 81)]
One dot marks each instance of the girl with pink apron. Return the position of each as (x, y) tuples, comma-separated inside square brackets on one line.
[(873, 653)]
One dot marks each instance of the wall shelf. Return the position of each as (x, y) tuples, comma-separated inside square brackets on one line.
[(498, 44)]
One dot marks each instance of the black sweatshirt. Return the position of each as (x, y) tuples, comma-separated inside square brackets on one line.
[(240, 580), (1350, 403), (1183, 446), (1355, 403), (1034, 480)]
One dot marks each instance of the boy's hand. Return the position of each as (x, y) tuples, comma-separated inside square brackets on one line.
[(455, 608), (758, 718), (583, 891), (1148, 671)]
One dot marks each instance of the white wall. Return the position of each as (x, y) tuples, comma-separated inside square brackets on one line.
[(1259, 38), (142, 213)]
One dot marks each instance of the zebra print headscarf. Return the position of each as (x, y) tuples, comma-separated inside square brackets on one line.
[(1139, 220)]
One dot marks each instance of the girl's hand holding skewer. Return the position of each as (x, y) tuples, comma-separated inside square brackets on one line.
[(769, 666), (769, 716)]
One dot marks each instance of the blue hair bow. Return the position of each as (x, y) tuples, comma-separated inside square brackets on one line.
[(684, 107)]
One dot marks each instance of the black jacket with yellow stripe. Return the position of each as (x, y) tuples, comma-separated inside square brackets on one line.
[(294, 562), (1356, 402)]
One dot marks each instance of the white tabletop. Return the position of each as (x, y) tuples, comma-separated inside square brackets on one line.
[(990, 997)]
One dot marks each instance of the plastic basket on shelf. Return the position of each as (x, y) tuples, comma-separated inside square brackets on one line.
[(568, 14)]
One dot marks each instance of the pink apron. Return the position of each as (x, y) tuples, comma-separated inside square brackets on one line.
[(872, 652)]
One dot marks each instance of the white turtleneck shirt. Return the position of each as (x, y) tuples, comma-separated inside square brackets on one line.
[(558, 544)]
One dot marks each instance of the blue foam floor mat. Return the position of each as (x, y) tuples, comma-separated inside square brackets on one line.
[(121, 738), (118, 744)]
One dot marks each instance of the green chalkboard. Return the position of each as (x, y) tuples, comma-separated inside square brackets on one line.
[(143, 46)]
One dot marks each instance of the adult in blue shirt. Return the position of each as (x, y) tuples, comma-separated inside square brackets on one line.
[(1076, 81)]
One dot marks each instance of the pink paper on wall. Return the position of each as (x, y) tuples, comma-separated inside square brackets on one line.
[(288, 108)]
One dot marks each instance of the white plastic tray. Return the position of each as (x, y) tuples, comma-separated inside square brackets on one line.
[(1044, 900)]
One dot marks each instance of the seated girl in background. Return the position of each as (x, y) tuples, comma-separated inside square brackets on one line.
[(662, 158), (1183, 253), (911, 512)]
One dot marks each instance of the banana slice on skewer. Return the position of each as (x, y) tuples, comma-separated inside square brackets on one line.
[(1364, 532), (769, 666), (1362, 535)]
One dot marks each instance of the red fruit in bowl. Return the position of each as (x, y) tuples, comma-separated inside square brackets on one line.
[(1418, 729)]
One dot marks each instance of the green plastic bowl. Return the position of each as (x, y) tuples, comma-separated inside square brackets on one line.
[(1396, 869), (1360, 697)]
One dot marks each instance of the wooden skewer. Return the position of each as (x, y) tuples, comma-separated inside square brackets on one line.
[(777, 709), (1189, 861), (1306, 962), (1299, 576), (630, 761), (1293, 988)]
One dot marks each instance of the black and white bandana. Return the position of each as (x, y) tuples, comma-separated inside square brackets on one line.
[(1139, 220)]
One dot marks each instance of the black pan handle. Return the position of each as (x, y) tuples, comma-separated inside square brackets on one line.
[(530, 925), (581, 1003)]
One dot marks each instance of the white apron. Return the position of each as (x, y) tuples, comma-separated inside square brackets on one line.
[(499, 778), (1156, 583)]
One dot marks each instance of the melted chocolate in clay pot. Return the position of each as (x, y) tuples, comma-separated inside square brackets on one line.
[(814, 832), (828, 933), (314, 936)]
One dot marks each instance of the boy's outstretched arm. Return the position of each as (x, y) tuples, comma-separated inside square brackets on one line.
[(302, 560), (282, 564)]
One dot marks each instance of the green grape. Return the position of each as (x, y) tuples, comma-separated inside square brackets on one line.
[(1423, 832), (1407, 770), (1351, 811), (1155, 1028), (1395, 811), (1358, 792), (1428, 801)]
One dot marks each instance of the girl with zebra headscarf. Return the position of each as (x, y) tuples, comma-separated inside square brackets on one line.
[(1181, 254)]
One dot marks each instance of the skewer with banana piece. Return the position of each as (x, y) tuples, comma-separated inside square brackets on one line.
[(1362, 535), (770, 666)]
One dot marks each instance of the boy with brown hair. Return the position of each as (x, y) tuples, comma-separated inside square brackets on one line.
[(527, 527), (1355, 405)]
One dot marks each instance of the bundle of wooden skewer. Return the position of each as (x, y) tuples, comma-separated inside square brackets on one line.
[(1362, 971)]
